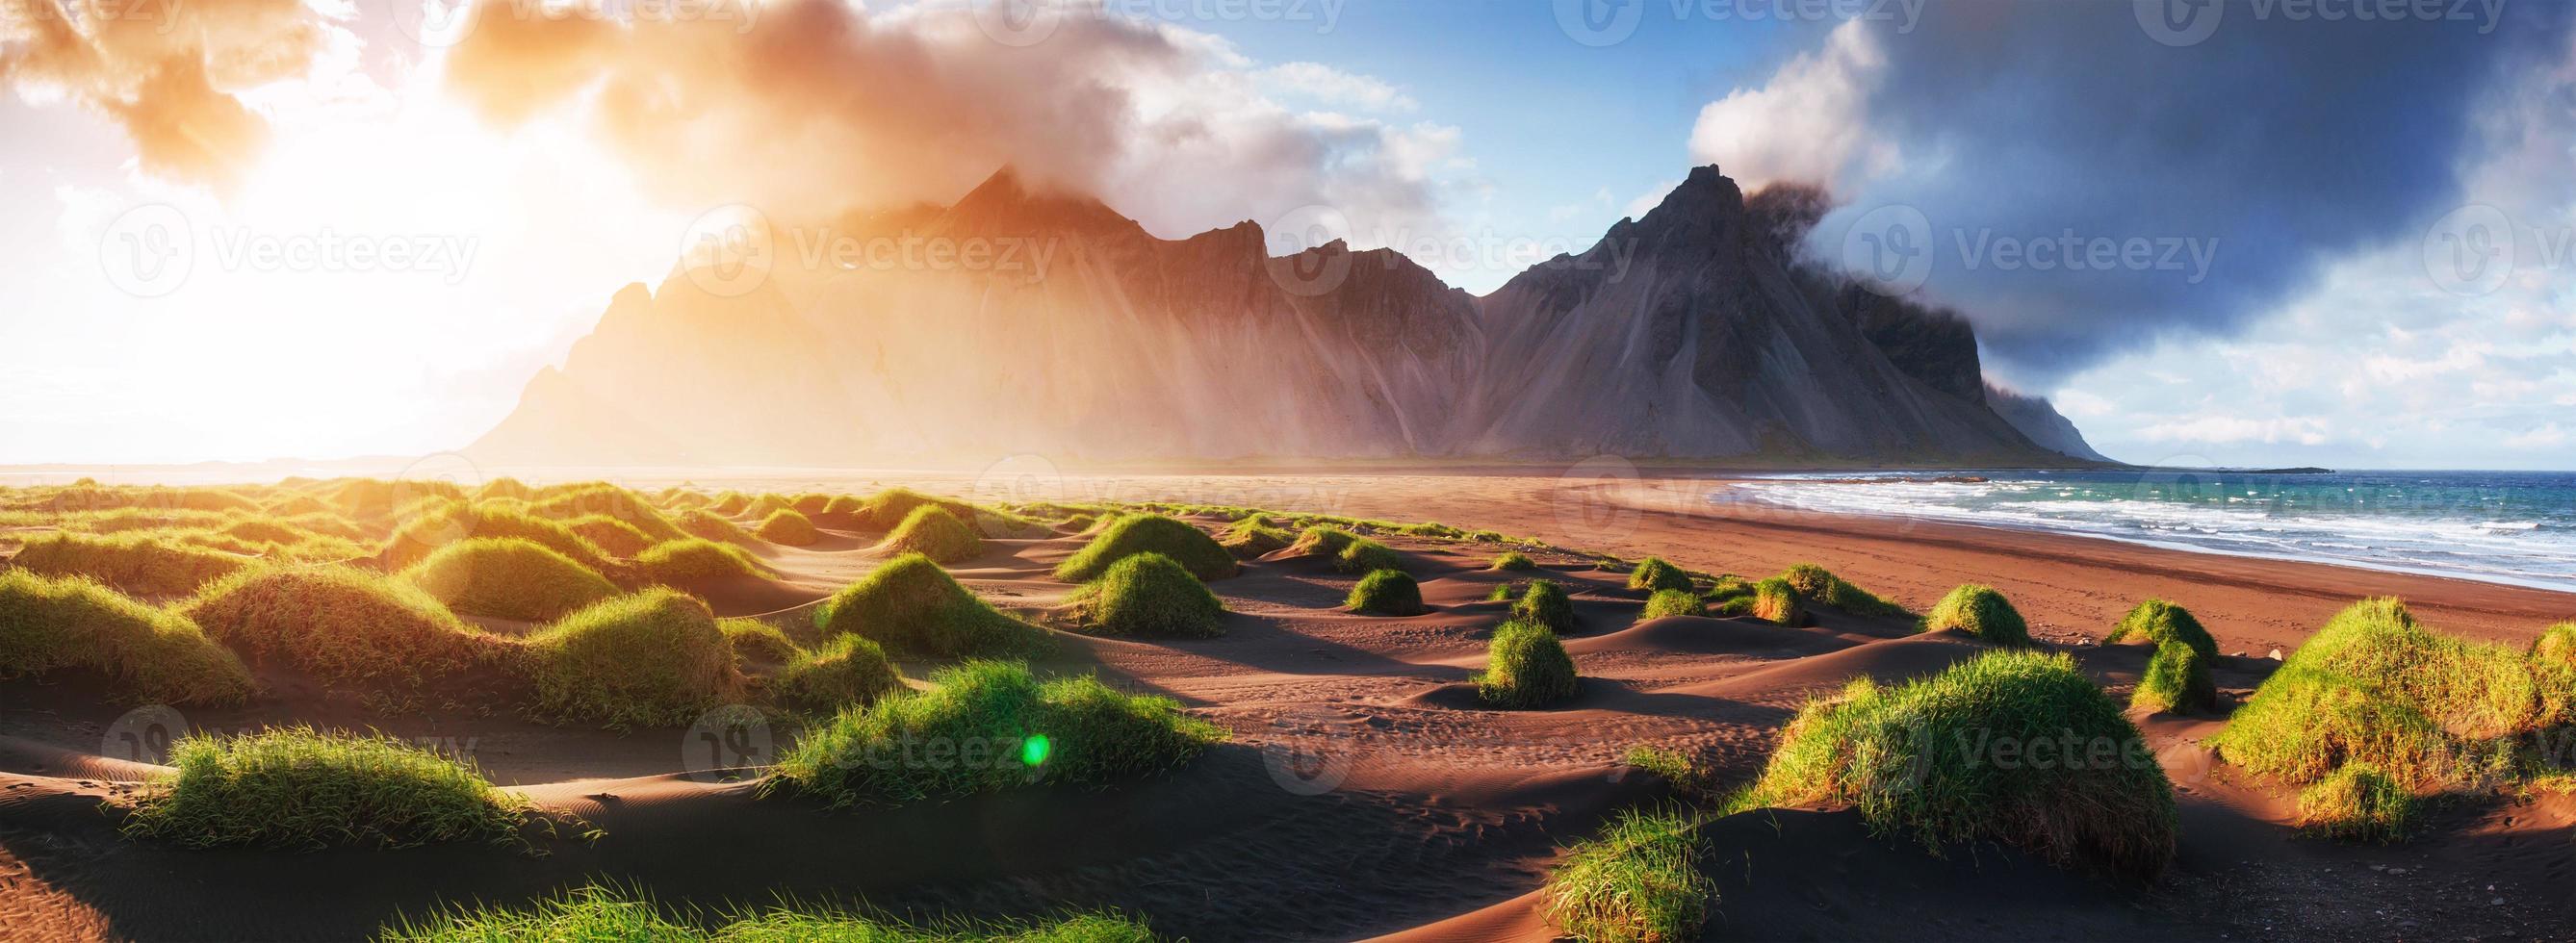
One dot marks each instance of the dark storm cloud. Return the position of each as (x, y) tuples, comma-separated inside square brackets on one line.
[(2087, 186)]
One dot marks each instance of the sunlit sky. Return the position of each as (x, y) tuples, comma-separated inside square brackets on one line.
[(1489, 130)]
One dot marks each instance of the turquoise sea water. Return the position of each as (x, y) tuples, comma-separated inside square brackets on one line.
[(2505, 527)]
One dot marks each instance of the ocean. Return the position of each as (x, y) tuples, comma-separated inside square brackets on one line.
[(2502, 527)]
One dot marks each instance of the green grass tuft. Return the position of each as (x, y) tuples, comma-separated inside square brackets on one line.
[(933, 531), (1386, 593), (754, 639), (2357, 802), (713, 527), (1655, 575), (143, 563), (593, 914), (1546, 603), (300, 788), (1979, 611), (1638, 882), (1774, 600), (789, 527), (995, 727), (578, 501), (697, 558), (2156, 622), (451, 521), (610, 534), (2177, 679), (1525, 667), (1148, 595), (912, 607), (847, 671), (1673, 602), (1149, 533), (507, 578), (152, 655), (1512, 561), (1254, 536), (650, 659), (1821, 587), (349, 629), (2556, 646), (2012, 746), (2430, 711)]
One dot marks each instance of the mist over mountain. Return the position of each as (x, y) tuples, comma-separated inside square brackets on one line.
[(1023, 320)]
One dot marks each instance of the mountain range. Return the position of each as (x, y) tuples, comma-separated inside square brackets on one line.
[(1055, 326)]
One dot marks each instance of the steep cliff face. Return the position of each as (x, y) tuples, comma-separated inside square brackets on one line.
[(2039, 420), (1692, 332), (1054, 325)]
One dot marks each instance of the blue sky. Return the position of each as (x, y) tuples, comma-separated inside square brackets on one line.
[(2307, 176)]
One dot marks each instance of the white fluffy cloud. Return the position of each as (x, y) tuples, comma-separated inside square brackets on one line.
[(1810, 123)]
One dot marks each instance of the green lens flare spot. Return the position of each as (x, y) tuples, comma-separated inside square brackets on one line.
[(1034, 750)]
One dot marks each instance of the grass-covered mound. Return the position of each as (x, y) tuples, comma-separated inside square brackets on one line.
[(1821, 587), (610, 534), (594, 914), (1655, 575), (2556, 646), (1513, 561), (1774, 600), (1149, 533), (300, 788), (933, 531), (1254, 536), (714, 527), (2014, 746), (697, 558), (142, 563), (1638, 881), (650, 659), (730, 503), (885, 510), (1979, 611), (347, 628), (2357, 802), (424, 533), (1009, 729), (847, 671), (2177, 679), (2428, 711), (912, 607), (507, 578), (2156, 622), (1386, 593), (755, 640), (150, 654), (1673, 602), (610, 500), (1149, 595), (790, 527), (1350, 553), (1525, 667), (1546, 603)]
